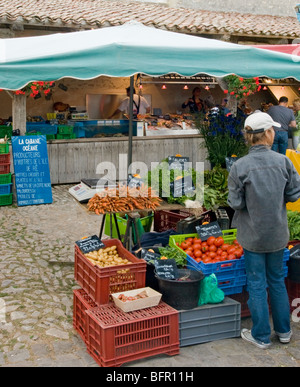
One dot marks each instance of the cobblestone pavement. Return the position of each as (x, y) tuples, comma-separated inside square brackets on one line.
[(36, 293)]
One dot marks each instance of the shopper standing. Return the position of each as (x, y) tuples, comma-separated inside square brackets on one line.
[(285, 116), (296, 132), (260, 184)]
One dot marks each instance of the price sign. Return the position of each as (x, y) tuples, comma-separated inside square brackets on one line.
[(295, 251), (89, 244), (166, 269), (176, 162), (149, 255), (31, 166), (206, 230), (182, 186), (229, 161)]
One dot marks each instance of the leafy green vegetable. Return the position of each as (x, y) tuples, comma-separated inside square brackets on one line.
[(293, 218), (216, 188), (173, 253)]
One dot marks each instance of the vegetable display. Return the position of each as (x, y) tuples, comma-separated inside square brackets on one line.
[(106, 257), (293, 218), (215, 188), (124, 199), (125, 298), (169, 252), (214, 249)]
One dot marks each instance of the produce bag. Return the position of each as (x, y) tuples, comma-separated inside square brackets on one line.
[(209, 291)]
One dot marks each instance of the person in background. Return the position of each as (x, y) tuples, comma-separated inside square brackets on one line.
[(296, 132), (285, 116), (195, 103), (140, 105), (260, 184)]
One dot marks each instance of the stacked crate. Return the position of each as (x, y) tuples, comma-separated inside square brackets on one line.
[(6, 196), (113, 337), (65, 132)]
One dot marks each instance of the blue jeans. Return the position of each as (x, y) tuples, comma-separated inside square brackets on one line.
[(281, 142), (266, 270)]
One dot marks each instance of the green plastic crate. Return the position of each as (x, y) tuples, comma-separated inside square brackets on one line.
[(143, 225), (4, 148), (33, 133), (6, 200), (50, 136), (65, 136), (228, 235), (5, 178), (5, 131), (65, 129)]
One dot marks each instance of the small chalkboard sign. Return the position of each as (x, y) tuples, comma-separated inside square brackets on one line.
[(134, 182), (149, 255), (178, 162), (182, 186), (229, 161), (206, 230), (166, 269), (89, 244)]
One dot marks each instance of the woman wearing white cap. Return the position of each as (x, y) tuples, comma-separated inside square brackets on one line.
[(260, 184)]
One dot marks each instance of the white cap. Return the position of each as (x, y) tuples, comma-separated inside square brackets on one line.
[(259, 122)]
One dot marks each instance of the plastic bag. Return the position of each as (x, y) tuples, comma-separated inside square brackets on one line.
[(209, 291)]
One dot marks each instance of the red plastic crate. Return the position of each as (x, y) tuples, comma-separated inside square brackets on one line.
[(167, 220), (81, 303), (5, 158), (4, 168), (99, 283), (115, 337)]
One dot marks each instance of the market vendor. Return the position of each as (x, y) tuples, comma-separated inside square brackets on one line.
[(195, 103), (140, 105)]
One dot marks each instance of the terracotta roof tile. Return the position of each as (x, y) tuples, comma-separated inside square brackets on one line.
[(99, 13)]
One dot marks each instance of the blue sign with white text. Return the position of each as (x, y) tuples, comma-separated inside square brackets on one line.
[(31, 167)]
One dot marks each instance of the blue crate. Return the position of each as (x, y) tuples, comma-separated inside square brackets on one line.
[(5, 189), (217, 267), (32, 127)]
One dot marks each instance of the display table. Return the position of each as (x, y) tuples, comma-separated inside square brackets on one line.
[(295, 158), (133, 216)]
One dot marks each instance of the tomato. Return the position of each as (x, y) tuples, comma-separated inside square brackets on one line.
[(198, 253), (219, 251), (235, 242), (212, 248), (198, 260), (219, 241), (206, 260), (189, 240), (197, 240), (189, 243), (211, 240), (224, 255), (189, 251), (238, 252), (197, 246), (225, 246), (231, 257), (231, 250), (177, 244), (184, 246), (204, 249), (212, 255)]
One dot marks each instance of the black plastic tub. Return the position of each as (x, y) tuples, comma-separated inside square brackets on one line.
[(181, 294)]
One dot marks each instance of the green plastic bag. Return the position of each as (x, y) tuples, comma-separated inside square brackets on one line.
[(209, 291)]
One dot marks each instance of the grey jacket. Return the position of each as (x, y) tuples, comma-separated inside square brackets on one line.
[(260, 184)]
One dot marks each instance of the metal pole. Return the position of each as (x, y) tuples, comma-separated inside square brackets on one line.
[(130, 123)]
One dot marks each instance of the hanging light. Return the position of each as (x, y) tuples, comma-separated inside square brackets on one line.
[(140, 86), (185, 87), (282, 87), (206, 87), (164, 87), (265, 88)]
